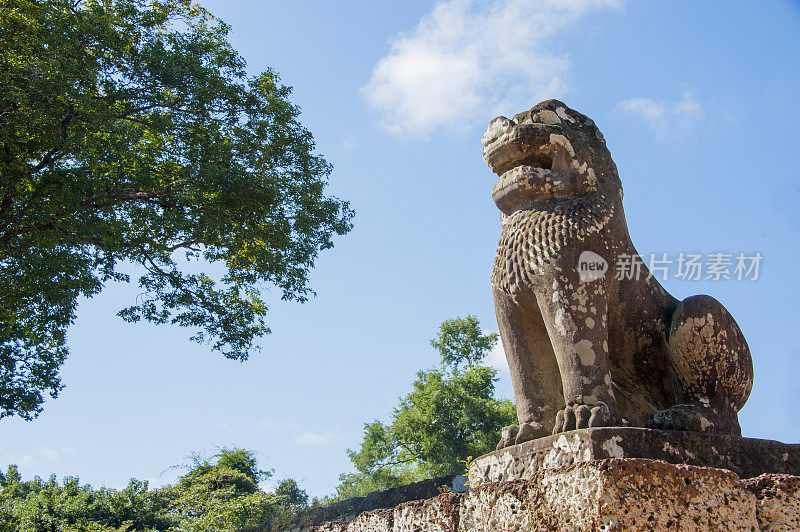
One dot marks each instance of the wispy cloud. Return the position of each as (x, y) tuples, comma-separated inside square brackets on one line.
[(497, 357), (467, 59), (50, 454), (665, 119), (36, 456), (349, 142), (269, 423), (225, 424), (313, 438)]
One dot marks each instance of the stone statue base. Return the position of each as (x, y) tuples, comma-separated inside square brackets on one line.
[(602, 479), (603, 495), (747, 457)]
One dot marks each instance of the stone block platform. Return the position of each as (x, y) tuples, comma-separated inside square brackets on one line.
[(747, 457), (605, 479), (604, 495)]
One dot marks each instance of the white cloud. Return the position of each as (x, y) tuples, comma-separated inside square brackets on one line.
[(50, 454), (269, 423), (349, 142), (312, 438), (497, 357), (666, 120), (467, 59), (225, 424), (22, 459), (36, 456)]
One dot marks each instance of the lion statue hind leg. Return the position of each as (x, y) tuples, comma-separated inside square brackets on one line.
[(714, 368)]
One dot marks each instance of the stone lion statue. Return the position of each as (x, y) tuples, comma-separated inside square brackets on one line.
[(585, 348)]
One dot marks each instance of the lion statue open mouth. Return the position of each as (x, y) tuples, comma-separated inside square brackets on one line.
[(597, 351)]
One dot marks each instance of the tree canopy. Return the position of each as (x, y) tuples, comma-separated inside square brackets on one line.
[(450, 414), (217, 494), (460, 340), (132, 138)]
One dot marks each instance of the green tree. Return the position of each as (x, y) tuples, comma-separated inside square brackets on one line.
[(43, 506), (217, 494), (461, 340), (291, 494), (131, 135), (450, 414), (223, 494), (235, 459)]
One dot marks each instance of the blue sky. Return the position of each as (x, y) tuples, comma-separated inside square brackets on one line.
[(698, 104)]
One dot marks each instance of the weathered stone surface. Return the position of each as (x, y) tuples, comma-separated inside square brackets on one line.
[(777, 501), (589, 345), (747, 457), (374, 521), (348, 509), (439, 514), (333, 526), (501, 506), (604, 495), (641, 495)]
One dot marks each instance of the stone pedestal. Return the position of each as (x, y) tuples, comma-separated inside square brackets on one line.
[(747, 457), (604, 495), (608, 479)]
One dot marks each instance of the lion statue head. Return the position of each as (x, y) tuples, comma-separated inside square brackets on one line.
[(549, 151)]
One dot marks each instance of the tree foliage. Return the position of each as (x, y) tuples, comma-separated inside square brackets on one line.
[(221, 494), (131, 133), (450, 414), (39, 505), (235, 459), (291, 494), (461, 340)]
